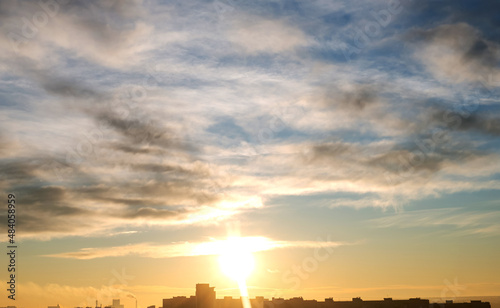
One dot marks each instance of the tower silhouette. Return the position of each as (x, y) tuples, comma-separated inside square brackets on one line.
[(205, 296)]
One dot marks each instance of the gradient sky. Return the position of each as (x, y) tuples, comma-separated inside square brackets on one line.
[(357, 140)]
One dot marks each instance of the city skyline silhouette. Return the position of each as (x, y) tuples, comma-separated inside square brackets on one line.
[(205, 297)]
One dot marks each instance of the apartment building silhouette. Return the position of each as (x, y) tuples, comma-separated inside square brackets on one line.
[(205, 298)]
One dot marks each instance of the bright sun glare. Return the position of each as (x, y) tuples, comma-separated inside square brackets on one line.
[(236, 259)]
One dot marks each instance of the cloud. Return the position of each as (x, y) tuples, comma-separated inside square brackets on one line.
[(17, 169), (109, 33), (259, 35), (92, 211), (376, 138), (149, 192), (366, 106), (377, 163), (479, 122), (138, 130), (354, 97), (163, 182), (187, 249), (467, 222), (457, 53), (379, 174)]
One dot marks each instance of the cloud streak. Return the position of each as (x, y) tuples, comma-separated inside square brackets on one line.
[(469, 222), (189, 249)]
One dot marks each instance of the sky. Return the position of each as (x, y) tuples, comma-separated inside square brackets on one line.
[(352, 146)]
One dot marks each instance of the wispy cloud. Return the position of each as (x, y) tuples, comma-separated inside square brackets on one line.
[(482, 223), (189, 249)]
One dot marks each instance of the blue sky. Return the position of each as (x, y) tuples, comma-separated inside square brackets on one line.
[(134, 125)]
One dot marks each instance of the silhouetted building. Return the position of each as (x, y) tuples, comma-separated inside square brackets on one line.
[(180, 302), (451, 304), (257, 302), (205, 296), (228, 302), (117, 304), (357, 302)]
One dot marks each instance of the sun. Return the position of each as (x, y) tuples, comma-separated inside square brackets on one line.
[(236, 260)]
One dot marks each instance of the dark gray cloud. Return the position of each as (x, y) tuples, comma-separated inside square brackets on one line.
[(138, 129), (6, 8), (135, 129), (133, 149), (171, 191), (401, 160), (16, 169), (360, 97), (53, 201), (462, 120), (37, 222), (164, 168), (481, 50), (67, 88), (153, 213), (413, 160), (43, 209), (327, 150)]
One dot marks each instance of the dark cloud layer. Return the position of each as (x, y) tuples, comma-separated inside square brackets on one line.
[(406, 164), (477, 122), (359, 98), (67, 209)]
